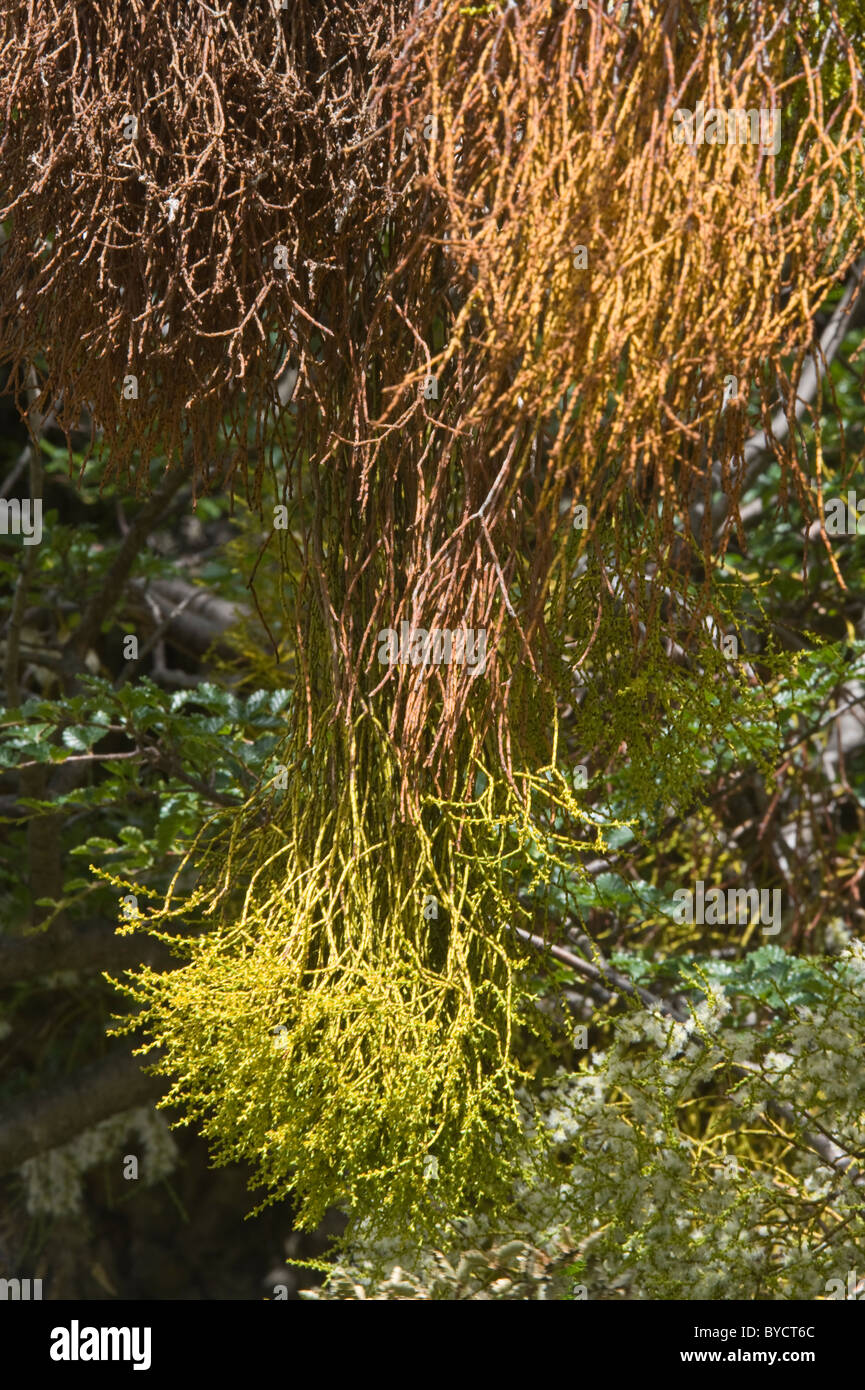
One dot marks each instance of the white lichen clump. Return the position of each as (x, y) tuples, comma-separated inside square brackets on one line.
[(53, 1179)]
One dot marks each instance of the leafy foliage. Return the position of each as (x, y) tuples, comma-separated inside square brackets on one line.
[(686, 1169)]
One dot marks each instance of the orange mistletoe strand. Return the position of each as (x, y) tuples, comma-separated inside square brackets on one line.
[(518, 262)]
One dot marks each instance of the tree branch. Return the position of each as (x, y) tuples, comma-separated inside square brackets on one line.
[(89, 948), (105, 600), (31, 1125)]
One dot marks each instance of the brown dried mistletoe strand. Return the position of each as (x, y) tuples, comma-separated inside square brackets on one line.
[(391, 198), (173, 177)]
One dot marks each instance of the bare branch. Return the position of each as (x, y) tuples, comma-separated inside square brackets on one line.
[(31, 1125)]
